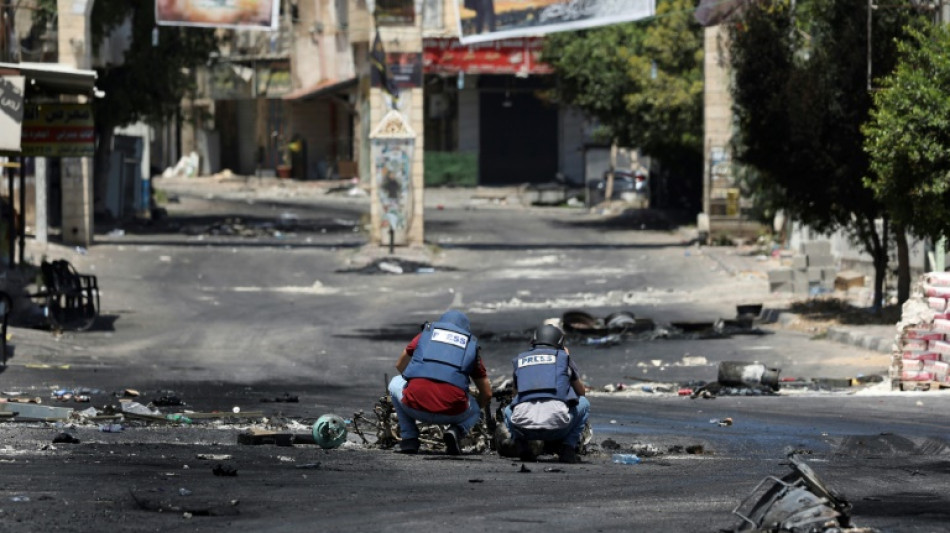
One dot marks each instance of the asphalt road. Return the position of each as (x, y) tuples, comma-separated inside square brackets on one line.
[(243, 296)]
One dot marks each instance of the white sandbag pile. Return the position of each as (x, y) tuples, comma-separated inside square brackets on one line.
[(922, 348)]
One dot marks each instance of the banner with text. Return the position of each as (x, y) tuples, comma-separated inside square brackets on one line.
[(489, 20), (11, 105), (242, 14), (59, 130), (507, 56)]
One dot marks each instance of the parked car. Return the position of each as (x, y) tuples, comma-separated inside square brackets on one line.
[(629, 186)]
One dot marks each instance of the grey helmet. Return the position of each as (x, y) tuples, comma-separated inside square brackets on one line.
[(549, 335)]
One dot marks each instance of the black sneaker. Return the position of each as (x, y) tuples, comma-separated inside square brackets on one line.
[(408, 446), (451, 439), (567, 454), (525, 452)]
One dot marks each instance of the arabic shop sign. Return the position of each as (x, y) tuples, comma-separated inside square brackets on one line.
[(11, 112), (58, 130)]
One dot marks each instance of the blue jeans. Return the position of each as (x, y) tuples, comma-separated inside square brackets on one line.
[(570, 435), (408, 416)]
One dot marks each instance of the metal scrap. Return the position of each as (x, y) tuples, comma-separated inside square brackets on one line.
[(797, 503)]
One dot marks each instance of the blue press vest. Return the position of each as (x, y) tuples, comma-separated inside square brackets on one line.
[(543, 373), (446, 353)]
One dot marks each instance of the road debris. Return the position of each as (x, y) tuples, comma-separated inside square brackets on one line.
[(65, 438), (213, 457), (626, 459), (286, 398), (329, 431), (799, 501), (224, 470), (35, 412)]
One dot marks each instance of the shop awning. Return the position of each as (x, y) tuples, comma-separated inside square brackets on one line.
[(55, 77), (323, 88)]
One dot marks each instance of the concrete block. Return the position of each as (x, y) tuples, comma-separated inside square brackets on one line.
[(816, 248), (799, 262), (821, 260), (800, 277), (829, 274), (780, 286), (780, 275), (800, 287), (814, 274)]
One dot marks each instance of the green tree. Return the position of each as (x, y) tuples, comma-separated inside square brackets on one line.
[(153, 78), (800, 94), (643, 82), (908, 139)]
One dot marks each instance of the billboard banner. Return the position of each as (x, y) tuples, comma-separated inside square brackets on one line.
[(11, 112), (509, 56), (489, 20), (241, 14), (59, 130)]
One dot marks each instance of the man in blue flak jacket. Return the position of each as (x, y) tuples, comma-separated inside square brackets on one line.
[(549, 397), (436, 368)]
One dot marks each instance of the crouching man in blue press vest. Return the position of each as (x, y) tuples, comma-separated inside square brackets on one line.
[(549, 403), (433, 386)]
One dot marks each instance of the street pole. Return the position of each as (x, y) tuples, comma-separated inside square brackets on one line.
[(870, 8)]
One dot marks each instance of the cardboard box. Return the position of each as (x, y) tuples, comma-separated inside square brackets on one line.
[(848, 279)]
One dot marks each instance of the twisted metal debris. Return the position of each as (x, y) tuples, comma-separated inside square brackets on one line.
[(487, 435)]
